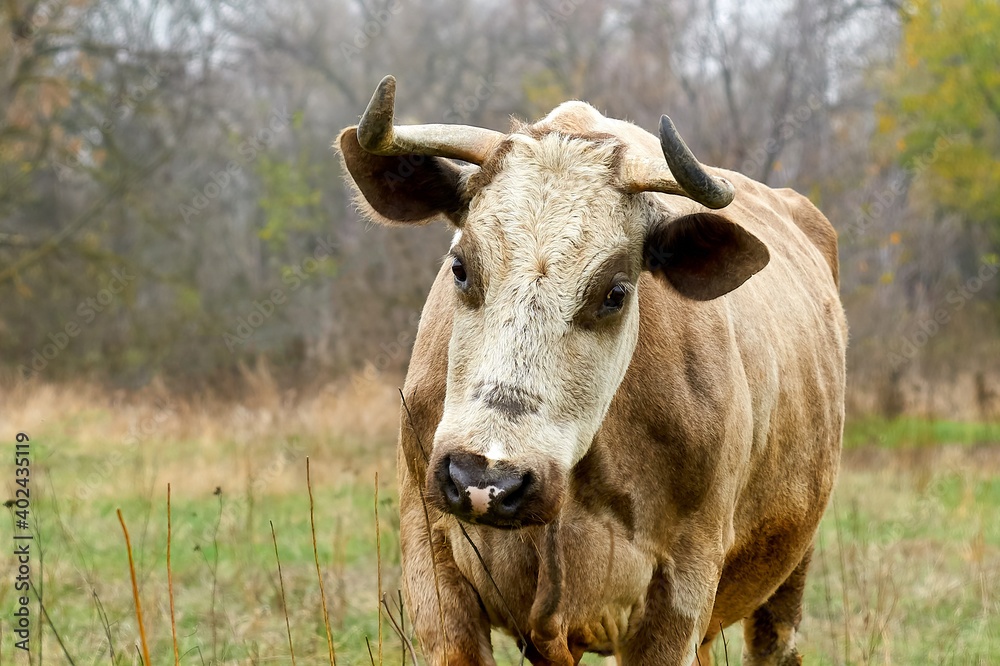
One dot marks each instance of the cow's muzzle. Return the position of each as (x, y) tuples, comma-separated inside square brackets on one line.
[(468, 486)]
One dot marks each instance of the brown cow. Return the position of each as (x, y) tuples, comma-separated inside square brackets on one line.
[(638, 438)]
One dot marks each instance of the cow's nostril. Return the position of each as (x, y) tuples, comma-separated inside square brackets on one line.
[(513, 494), (452, 493), (450, 484)]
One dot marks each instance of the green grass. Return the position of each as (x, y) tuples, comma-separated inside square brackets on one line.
[(914, 432), (907, 568), (915, 551), (219, 541)]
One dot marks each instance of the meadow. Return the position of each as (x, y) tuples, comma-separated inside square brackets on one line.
[(906, 570)]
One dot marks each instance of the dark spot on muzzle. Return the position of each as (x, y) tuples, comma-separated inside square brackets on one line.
[(510, 401)]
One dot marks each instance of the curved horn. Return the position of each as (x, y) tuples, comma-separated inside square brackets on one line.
[(687, 176), (379, 136)]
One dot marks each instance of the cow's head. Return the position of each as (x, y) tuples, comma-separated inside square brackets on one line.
[(553, 232)]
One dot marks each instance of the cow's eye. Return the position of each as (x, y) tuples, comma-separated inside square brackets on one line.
[(458, 270), (615, 297)]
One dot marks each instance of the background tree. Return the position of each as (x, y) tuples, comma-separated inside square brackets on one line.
[(186, 142), (942, 105)]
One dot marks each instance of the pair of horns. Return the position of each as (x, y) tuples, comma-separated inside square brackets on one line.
[(686, 176)]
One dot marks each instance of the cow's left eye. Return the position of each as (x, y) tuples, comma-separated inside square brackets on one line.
[(615, 298), (458, 270)]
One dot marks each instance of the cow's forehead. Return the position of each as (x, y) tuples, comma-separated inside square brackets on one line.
[(553, 201)]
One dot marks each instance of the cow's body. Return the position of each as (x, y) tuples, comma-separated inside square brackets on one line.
[(696, 504)]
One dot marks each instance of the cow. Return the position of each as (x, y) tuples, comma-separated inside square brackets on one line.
[(622, 418)]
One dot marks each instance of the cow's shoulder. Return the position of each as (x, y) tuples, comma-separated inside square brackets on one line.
[(814, 225)]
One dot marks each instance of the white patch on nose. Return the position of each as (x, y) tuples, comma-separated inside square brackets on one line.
[(495, 452), (481, 498)]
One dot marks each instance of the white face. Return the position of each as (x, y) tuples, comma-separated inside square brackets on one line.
[(539, 346)]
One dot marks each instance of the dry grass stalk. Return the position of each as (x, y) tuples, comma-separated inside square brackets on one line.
[(430, 540), (284, 604), (135, 591), (48, 621), (363, 411), (828, 598), (398, 628), (378, 564), (215, 576), (170, 585), (103, 617), (725, 645), (402, 627), (479, 556), (319, 574), (843, 586)]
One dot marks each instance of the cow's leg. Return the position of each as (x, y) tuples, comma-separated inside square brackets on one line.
[(769, 632), (462, 631), (679, 604)]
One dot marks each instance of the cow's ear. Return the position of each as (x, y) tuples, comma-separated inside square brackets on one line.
[(704, 255), (404, 189)]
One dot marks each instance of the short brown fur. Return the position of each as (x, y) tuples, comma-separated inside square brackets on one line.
[(698, 500)]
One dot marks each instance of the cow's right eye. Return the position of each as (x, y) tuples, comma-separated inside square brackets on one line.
[(615, 298), (458, 270)]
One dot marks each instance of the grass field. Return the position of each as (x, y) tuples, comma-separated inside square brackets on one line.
[(907, 568)]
